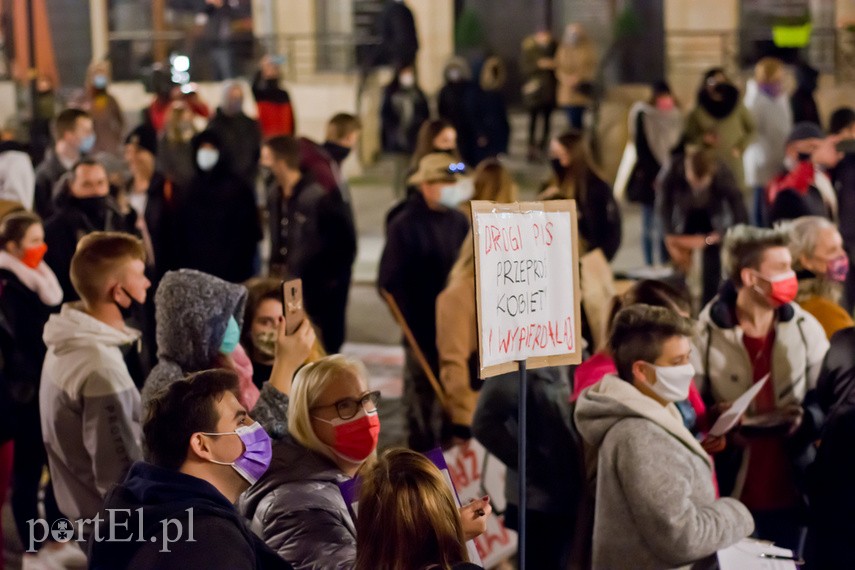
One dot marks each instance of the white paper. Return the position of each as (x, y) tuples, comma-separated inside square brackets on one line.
[(527, 289), (730, 418), (745, 555)]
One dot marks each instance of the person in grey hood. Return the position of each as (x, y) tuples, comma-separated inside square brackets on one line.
[(656, 502), (199, 319)]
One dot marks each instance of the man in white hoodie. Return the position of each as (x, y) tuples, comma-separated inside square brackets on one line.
[(90, 408), (656, 504)]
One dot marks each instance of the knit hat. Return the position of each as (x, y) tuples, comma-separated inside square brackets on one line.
[(145, 137), (805, 130)]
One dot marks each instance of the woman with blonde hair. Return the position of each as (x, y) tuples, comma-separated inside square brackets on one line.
[(332, 432), (408, 517), (333, 428)]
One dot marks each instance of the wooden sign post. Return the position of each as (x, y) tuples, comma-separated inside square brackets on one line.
[(527, 296)]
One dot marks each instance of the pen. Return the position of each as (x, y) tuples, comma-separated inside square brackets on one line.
[(798, 561)]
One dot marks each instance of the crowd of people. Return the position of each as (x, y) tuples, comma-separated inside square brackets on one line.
[(146, 365)]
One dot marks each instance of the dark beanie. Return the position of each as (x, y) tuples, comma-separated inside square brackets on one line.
[(805, 130), (144, 136)]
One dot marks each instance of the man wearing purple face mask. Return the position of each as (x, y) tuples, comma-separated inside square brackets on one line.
[(176, 511), (821, 266)]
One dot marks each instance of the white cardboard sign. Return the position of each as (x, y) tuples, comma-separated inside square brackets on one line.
[(527, 277)]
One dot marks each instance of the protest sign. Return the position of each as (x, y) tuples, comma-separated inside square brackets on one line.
[(476, 473), (527, 284)]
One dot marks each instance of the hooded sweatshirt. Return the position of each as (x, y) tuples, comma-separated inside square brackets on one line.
[(90, 409), (163, 533), (655, 501), (192, 310)]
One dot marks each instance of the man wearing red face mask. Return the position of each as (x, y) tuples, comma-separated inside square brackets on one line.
[(751, 330), (821, 265)]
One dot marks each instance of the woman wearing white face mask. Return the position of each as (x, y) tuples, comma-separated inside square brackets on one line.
[(217, 225), (656, 501), (333, 429)]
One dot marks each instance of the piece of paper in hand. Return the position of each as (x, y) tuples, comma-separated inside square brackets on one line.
[(730, 418)]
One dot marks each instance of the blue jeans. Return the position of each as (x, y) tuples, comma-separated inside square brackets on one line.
[(575, 115), (651, 233)]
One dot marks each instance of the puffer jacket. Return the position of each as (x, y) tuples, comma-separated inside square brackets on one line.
[(192, 310), (298, 510), (655, 501)]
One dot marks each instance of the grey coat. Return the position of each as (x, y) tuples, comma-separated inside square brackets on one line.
[(192, 310), (655, 500), (298, 510)]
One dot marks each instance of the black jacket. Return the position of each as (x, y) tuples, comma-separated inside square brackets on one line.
[(599, 216), (26, 315), (421, 247), (722, 203), (398, 34), (310, 232), (48, 173), (73, 219), (217, 225), (159, 221), (400, 125), (830, 489), (241, 143), (555, 469), (221, 537)]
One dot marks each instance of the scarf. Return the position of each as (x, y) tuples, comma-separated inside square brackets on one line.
[(662, 129), (40, 280)]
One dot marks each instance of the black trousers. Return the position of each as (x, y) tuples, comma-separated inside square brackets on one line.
[(549, 537), (542, 113)]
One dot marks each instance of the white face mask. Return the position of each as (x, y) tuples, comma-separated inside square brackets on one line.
[(455, 194), (407, 80), (207, 158), (673, 382)]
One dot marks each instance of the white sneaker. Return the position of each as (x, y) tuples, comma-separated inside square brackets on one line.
[(60, 556)]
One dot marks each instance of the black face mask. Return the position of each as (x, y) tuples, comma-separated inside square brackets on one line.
[(132, 310), (559, 169), (803, 156), (337, 151)]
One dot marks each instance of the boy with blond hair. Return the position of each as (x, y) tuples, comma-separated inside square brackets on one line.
[(90, 408)]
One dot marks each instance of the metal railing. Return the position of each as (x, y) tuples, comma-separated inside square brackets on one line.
[(134, 53), (831, 50)]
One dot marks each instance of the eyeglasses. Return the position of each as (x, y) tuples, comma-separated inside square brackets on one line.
[(346, 408), (456, 168)]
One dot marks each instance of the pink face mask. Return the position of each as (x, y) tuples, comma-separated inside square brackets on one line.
[(838, 268), (665, 103)]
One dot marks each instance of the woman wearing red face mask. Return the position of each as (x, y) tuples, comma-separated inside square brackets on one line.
[(821, 265), (751, 330), (29, 292), (333, 429)]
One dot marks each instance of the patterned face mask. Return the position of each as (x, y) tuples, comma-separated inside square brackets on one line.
[(265, 342)]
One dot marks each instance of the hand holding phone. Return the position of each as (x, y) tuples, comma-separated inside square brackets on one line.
[(292, 305)]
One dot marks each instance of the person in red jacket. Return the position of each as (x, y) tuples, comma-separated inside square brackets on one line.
[(275, 112)]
